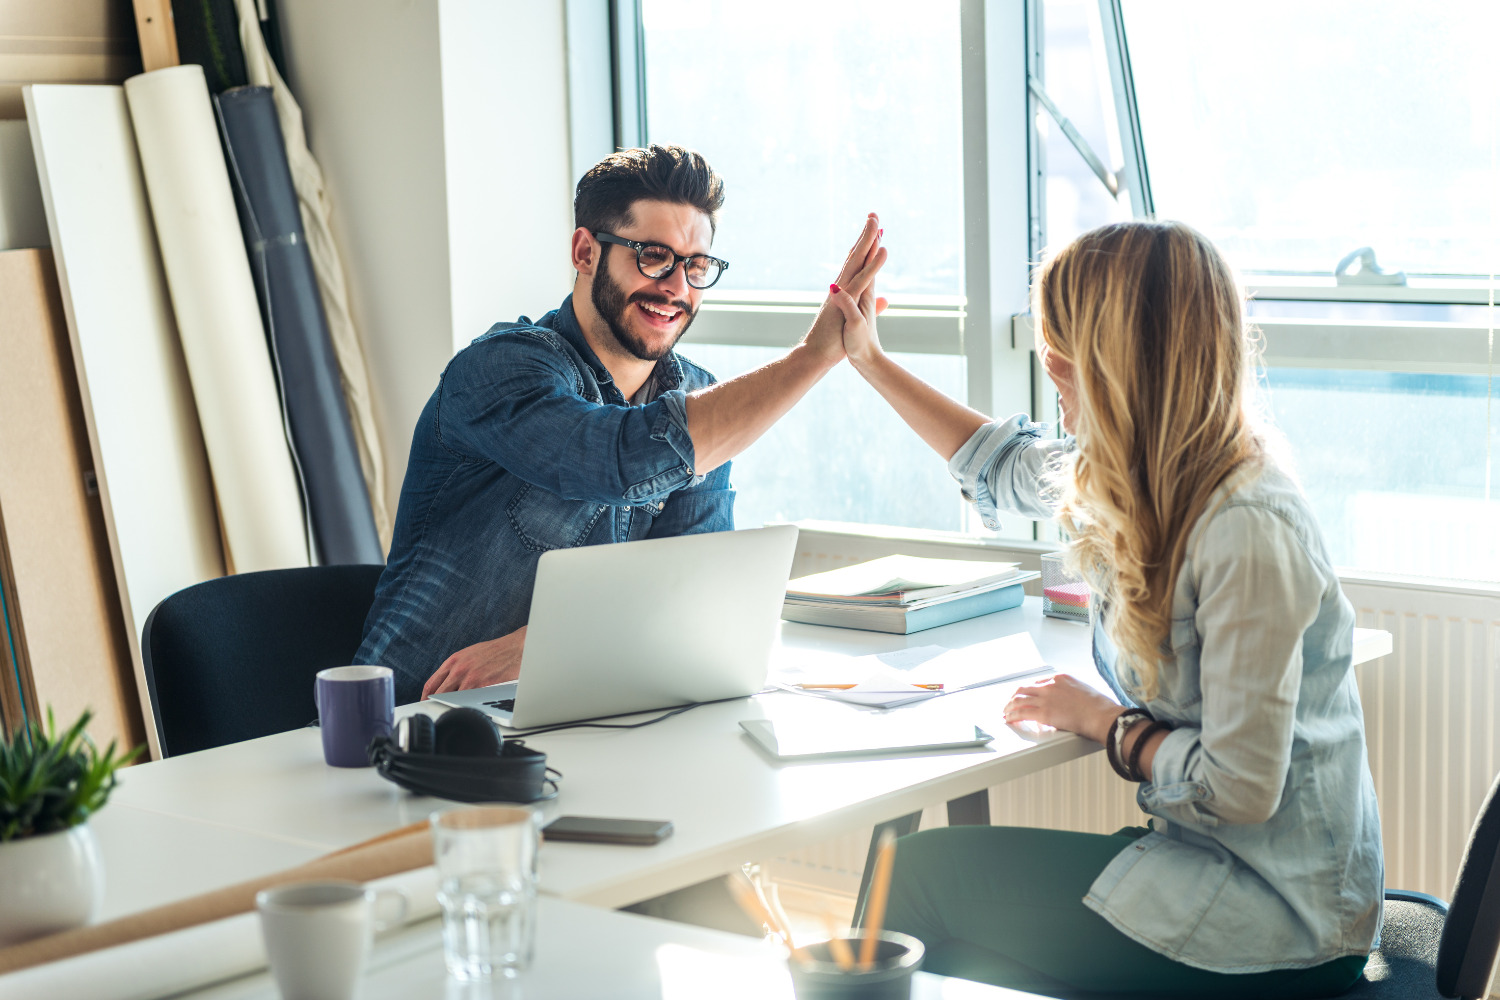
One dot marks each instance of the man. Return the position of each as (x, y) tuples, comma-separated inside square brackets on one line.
[(581, 428)]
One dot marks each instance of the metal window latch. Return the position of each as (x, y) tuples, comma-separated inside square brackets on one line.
[(1369, 273)]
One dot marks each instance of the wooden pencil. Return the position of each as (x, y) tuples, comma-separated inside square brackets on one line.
[(880, 889)]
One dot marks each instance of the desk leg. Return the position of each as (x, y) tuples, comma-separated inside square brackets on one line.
[(971, 810), (900, 827)]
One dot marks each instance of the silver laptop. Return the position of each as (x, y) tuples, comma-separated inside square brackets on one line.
[(637, 626)]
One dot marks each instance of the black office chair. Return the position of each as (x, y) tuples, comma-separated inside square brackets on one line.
[(1433, 949), (233, 659)]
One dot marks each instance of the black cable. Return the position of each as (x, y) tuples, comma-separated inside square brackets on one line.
[(612, 725)]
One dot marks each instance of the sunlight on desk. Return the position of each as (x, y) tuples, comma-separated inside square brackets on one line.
[(688, 973)]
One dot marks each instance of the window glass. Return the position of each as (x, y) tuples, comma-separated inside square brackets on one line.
[(842, 454), (816, 114), (1076, 77), (1292, 133), (1396, 466)]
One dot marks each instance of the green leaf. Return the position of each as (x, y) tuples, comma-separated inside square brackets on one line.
[(50, 782)]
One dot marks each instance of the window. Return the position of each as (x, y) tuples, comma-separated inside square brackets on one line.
[(1294, 135), (815, 114), (1294, 132), (1075, 77)]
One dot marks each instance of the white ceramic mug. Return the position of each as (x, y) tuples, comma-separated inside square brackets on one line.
[(318, 935)]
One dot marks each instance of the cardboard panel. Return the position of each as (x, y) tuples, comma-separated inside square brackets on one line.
[(67, 625), (143, 429)]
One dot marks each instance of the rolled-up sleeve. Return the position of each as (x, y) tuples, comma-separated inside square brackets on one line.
[(1258, 592), (517, 404), (1002, 465)]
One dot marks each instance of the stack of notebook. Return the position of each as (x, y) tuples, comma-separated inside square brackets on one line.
[(904, 594)]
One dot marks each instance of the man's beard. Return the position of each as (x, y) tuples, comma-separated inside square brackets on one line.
[(610, 303)]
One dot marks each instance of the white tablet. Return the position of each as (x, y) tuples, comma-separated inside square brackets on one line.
[(863, 735)]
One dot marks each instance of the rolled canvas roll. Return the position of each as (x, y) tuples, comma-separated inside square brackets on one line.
[(376, 860), (184, 959), (317, 212), (338, 502), (218, 319)]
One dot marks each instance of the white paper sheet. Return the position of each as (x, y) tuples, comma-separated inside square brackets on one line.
[(218, 318), (893, 679)]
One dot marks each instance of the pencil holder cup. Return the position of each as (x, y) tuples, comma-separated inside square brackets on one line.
[(1064, 595), (816, 976)]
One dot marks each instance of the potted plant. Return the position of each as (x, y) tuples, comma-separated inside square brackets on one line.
[(51, 877)]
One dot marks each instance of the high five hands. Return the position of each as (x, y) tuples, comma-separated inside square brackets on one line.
[(829, 333), (854, 297)]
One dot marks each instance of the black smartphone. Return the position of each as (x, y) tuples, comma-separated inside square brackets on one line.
[(603, 830)]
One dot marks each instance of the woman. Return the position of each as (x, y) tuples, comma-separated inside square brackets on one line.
[(1220, 624)]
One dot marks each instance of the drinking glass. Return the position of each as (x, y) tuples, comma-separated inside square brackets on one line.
[(486, 862)]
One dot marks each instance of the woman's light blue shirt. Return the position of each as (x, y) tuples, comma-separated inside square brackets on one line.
[(1265, 851)]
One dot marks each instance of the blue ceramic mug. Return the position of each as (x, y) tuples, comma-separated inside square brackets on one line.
[(355, 705)]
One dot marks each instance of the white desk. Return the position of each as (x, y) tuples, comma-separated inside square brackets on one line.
[(206, 820), (583, 952), (730, 803)]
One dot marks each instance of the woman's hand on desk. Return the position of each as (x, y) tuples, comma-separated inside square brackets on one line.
[(480, 665), (1064, 703)]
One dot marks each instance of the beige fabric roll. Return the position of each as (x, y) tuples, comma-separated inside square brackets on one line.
[(218, 318), (186, 959), (377, 860), (307, 178)]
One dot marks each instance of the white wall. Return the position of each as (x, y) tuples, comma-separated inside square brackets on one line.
[(509, 179), (442, 129)]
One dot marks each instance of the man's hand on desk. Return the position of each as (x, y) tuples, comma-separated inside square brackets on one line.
[(479, 665)]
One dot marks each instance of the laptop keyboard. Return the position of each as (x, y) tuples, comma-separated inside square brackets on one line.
[(503, 704)]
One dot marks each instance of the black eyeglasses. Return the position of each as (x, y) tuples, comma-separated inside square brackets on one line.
[(656, 261)]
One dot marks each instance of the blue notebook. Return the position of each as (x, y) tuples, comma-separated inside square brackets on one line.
[(911, 618)]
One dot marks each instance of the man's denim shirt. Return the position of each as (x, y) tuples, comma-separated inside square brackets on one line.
[(1265, 851), (527, 445)]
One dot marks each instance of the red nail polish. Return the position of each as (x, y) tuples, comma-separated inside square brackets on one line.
[(881, 233), (833, 287)]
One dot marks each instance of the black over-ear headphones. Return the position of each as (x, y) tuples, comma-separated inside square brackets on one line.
[(461, 756)]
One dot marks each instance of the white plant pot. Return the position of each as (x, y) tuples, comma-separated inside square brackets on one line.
[(49, 883)]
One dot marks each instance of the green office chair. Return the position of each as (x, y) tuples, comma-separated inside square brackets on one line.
[(1429, 949)]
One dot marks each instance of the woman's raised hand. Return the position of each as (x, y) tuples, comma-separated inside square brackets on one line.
[(864, 261), (859, 305)]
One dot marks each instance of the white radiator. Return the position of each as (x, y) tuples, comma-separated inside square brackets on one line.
[(1431, 713), (1430, 720)]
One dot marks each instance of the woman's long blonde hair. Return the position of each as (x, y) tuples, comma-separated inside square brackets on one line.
[(1151, 319)]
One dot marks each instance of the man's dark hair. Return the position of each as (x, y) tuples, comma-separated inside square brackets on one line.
[(655, 173)]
